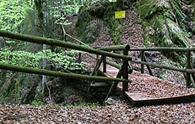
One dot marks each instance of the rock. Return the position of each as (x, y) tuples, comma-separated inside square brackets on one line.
[(110, 101)]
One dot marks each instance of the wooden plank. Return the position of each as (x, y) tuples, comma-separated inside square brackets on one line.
[(140, 99)]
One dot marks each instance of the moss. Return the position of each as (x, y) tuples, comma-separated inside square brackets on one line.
[(146, 8), (165, 19), (115, 29), (89, 29), (12, 94), (180, 36), (164, 25)]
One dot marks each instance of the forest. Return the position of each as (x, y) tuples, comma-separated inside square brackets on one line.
[(97, 61)]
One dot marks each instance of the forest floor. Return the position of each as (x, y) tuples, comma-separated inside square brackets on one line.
[(117, 113)]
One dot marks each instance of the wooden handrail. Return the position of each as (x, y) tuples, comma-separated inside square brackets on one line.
[(48, 41), (161, 49), (164, 49), (113, 48), (164, 67), (188, 72), (58, 74)]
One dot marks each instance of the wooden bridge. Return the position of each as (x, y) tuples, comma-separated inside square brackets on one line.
[(118, 76)]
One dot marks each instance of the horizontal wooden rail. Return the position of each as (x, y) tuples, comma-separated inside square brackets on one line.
[(113, 48), (77, 40), (164, 49), (59, 74), (48, 41), (164, 67), (113, 64)]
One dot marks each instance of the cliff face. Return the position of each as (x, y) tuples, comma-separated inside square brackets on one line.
[(160, 23), (165, 23)]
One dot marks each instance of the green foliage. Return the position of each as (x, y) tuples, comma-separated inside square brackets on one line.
[(64, 61), (10, 91), (99, 11), (37, 103), (115, 30), (146, 8), (164, 24), (60, 10), (12, 13)]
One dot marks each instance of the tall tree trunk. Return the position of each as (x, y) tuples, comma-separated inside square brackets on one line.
[(39, 4)]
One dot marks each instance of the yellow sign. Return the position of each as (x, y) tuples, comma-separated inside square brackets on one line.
[(120, 14)]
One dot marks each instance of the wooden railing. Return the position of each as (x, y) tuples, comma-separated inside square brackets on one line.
[(189, 71), (53, 42), (123, 69), (104, 53)]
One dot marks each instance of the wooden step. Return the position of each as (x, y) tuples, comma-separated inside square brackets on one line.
[(141, 99)]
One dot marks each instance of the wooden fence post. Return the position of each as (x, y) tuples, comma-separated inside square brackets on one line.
[(97, 66), (142, 59), (79, 59), (80, 56), (126, 70), (188, 75), (148, 67), (104, 63)]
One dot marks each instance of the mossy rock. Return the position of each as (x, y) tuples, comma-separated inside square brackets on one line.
[(164, 19), (95, 16)]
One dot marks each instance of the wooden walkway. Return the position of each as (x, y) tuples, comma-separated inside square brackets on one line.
[(148, 90)]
